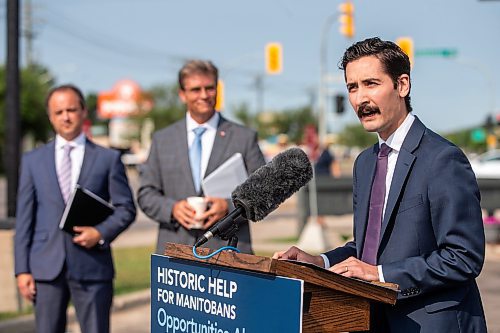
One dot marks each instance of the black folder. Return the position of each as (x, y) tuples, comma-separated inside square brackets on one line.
[(84, 208)]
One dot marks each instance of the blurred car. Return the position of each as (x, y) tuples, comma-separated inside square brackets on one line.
[(487, 165)]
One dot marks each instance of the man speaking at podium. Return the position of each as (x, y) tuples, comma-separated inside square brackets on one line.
[(417, 218), (52, 265), (183, 153)]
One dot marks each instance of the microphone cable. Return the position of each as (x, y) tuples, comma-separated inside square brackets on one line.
[(208, 256)]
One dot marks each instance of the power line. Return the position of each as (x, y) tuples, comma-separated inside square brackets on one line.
[(109, 43)]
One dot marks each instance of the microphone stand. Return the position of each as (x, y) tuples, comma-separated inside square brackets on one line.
[(230, 235), (233, 241), (225, 228)]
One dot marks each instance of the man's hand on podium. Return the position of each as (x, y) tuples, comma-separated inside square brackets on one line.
[(352, 267), (294, 253)]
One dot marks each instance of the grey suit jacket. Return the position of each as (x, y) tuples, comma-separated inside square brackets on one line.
[(41, 248), (166, 178), (432, 238)]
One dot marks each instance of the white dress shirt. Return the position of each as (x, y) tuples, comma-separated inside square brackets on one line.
[(207, 139), (395, 141), (76, 155)]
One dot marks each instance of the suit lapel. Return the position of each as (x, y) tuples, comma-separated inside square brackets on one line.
[(49, 168), (179, 140), (222, 139), (405, 161), (88, 160), (366, 173)]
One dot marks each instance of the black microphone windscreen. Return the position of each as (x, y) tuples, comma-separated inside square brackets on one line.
[(271, 184)]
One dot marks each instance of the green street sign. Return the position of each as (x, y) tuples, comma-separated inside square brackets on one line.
[(478, 135), (444, 52)]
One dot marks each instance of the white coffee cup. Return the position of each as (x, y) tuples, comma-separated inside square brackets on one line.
[(199, 205)]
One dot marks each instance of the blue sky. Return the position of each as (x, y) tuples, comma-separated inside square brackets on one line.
[(95, 43)]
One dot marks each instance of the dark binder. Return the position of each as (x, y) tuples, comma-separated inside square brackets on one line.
[(84, 208)]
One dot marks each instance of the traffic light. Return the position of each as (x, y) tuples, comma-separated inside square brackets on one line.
[(346, 19), (274, 58), (219, 102), (339, 103), (406, 44)]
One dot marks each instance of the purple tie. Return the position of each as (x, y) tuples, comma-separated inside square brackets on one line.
[(377, 199)]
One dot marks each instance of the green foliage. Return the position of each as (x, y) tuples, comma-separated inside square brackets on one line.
[(463, 139), (35, 82), (291, 121), (34, 85), (91, 102), (167, 106), (356, 136), (242, 113)]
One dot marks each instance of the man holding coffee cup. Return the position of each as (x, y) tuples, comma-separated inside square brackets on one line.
[(183, 153)]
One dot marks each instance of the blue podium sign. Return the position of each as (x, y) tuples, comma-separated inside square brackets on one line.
[(193, 297)]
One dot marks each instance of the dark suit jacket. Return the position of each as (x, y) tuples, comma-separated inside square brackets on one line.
[(166, 178), (41, 248), (432, 238)]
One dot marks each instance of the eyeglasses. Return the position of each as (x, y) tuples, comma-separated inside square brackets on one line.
[(209, 90)]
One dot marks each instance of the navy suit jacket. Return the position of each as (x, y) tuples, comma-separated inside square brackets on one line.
[(432, 239), (41, 248)]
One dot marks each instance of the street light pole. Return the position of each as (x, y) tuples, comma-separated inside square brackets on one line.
[(323, 72), (12, 106), (486, 72)]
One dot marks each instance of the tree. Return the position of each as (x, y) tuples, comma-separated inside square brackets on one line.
[(294, 121), (91, 102), (242, 113), (356, 136), (290, 121), (167, 106), (35, 83), (463, 139)]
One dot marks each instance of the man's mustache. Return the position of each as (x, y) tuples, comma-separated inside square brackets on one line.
[(367, 109)]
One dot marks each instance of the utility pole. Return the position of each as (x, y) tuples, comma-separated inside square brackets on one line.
[(28, 32), (12, 103), (322, 93), (259, 87)]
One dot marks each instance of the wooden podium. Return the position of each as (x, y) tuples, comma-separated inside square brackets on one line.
[(332, 302)]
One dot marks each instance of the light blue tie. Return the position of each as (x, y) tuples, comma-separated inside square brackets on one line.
[(195, 156)]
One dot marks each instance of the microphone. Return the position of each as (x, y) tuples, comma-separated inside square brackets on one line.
[(265, 189)]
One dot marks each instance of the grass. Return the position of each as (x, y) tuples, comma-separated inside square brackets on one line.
[(293, 239), (11, 315), (264, 254), (132, 267)]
